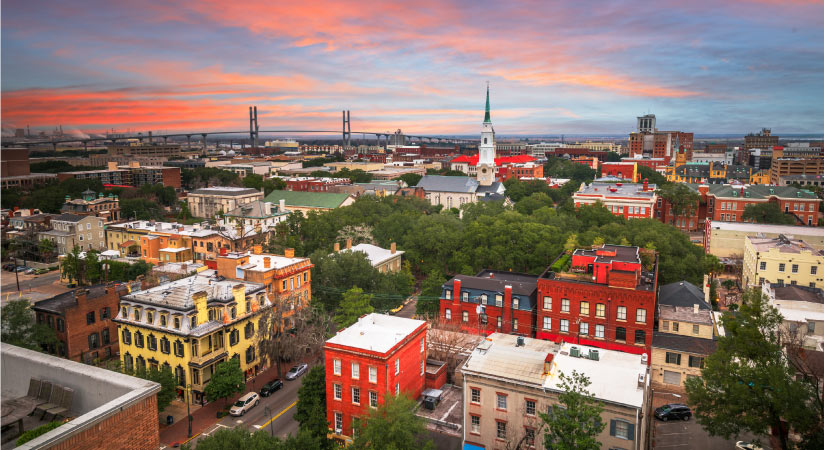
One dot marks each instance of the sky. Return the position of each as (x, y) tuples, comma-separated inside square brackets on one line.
[(422, 66)]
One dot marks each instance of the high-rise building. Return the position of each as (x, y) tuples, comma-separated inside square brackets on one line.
[(763, 140), (646, 123), (651, 143)]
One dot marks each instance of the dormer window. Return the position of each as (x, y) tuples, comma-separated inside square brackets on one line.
[(137, 314), (177, 323), (234, 312), (125, 311), (163, 320), (150, 317), (193, 321)]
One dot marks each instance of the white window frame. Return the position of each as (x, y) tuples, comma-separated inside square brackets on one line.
[(547, 303), (547, 323), (599, 331), (583, 329), (355, 371), (641, 315), (564, 325), (397, 366), (336, 365), (337, 391), (355, 395), (621, 313), (565, 305), (373, 374)]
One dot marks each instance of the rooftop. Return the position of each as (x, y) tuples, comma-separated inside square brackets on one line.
[(178, 294), (614, 376), (782, 244), (438, 183), (376, 332), (758, 191), (66, 217), (256, 210), (684, 294), (798, 293), (786, 230), (621, 253), (326, 200), (225, 190), (499, 356), (59, 303), (688, 344), (257, 262), (685, 314), (632, 190), (522, 284), (375, 254)]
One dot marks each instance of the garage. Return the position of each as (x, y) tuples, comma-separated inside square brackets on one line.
[(672, 377)]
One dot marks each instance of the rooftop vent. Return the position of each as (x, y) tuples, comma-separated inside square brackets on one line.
[(593, 354), (519, 342), (644, 358), (574, 351)]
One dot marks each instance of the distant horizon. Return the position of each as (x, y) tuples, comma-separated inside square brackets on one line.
[(420, 66)]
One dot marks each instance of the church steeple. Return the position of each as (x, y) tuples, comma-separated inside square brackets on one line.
[(486, 115)]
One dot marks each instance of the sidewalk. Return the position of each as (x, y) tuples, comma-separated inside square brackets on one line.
[(206, 416)]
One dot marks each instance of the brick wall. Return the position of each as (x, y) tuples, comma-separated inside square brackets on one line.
[(135, 427)]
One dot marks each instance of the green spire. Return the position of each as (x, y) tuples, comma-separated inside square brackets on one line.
[(486, 115)]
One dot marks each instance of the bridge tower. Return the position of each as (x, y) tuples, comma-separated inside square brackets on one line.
[(347, 129), (253, 126)]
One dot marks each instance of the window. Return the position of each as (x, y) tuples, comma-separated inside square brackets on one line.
[(475, 395), (794, 268), (674, 358), (515, 324), (249, 330), (696, 361), (338, 421), (355, 371), (475, 424), (177, 323), (500, 401), (499, 300), (447, 294), (336, 367), (127, 362), (465, 316), (125, 311), (621, 313), (641, 315), (338, 391), (565, 305), (422, 368), (178, 348), (762, 265), (516, 303), (501, 431), (397, 366), (621, 429), (584, 308), (465, 296), (781, 267), (529, 405), (373, 399), (447, 314), (620, 334), (483, 318), (599, 331), (127, 337), (61, 324), (104, 313), (547, 323), (250, 354), (640, 337), (193, 322), (164, 345), (356, 395), (94, 341), (138, 339), (675, 326), (813, 270), (500, 321), (564, 326), (104, 336), (397, 389), (583, 328), (483, 299), (547, 303), (600, 310), (373, 374), (695, 329), (89, 317), (149, 317)]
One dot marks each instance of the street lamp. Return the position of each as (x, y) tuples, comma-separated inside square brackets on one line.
[(188, 401), (268, 412)]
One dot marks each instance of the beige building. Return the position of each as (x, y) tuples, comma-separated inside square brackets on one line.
[(355, 165), (68, 230), (782, 261), (726, 239), (509, 380), (803, 312), (685, 336), (208, 202), (385, 260)]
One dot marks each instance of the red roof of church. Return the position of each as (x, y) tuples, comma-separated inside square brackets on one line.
[(473, 160)]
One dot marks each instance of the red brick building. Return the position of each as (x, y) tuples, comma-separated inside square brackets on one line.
[(575, 151), (312, 184), (82, 320), (626, 170), (602, 297), (491, 302), (521, 171), (628, 200), (659, 144), (379, 355), (652, 163)]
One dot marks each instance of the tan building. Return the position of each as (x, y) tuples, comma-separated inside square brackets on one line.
[(685, 336), (208, 202), (509, 380), (354, 165), (782, 261), (145, 149), (727, 239), (68, 230), (385, 260), (803, 311)]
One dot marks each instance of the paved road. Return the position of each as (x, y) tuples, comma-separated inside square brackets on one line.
[(408, 310), (34, 287), (278, 419)]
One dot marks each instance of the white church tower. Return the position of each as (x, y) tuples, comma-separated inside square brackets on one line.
[(486, 150)]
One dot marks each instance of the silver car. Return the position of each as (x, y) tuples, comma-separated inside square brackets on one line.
[(296, 371), (244, 404)]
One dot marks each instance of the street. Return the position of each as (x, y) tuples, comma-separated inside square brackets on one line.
[(33, 287)]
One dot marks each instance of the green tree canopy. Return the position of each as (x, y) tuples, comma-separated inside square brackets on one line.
[(167, 381), (747, 384), (241, 439), (354, 304), (311, 408), (767, 213), (411, 179), (393, 426), (575, 423), (226, 381), (683, 200), (20, 328), (652, 176)]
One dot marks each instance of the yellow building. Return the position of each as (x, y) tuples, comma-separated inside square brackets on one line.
[(760, 177), (191, 325), (782, 261)]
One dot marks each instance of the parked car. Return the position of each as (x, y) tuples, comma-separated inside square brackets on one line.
[(9, 267), (296, 371), (41, 271), (29, 271), (741, 445), (244, 404), (673, 411), (21, 269), (271, 387)]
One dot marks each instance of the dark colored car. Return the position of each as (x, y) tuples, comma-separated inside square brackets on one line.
[(9, 267), (673, 411), (270, 388)]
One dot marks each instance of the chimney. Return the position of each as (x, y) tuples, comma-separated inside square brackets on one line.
[(223, 251), (695, 308), (267, 262), (337, 247), (349, 244), (456, 292), (289, 252), (112, 165), (548, 363), (258, 249), (226, 318), (506, 321), (393, 248), (282, 205), (646, 184)]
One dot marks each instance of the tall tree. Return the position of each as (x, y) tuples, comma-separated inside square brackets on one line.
[(767, 213), (575, 423), (226, 381), (683, 200), (747, 384), (393, 426), (73, 266), (354, 304), (291, 329), (19, 327), (167, 381), (311, 408)]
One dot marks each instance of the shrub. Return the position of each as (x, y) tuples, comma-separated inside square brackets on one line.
[(36, 432)]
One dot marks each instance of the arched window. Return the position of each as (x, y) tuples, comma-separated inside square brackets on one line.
[(180, 376), (484, 140), (164, 345), (178, 348), (128, 363), (138, 339), (151, 342), (127, 337), (141, 363)]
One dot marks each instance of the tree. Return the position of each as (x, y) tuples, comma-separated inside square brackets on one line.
[(429, 303), (167, 381), (311, 408), (683, 201), (571, 243), (767, 213), (73, 266), (575, 423), (747, 383), (241, 439), (47, 248), (93, 269), (19, 327), (651, 175), (411, 179), (448, 343), (728, 284), (226, 381), (354, 304), (394, 426), (140, 209)]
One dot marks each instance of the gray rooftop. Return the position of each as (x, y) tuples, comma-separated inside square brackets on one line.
[(178, 294), (614, 190), (498, 356), (682, 293), (438, 183), (226, 190)]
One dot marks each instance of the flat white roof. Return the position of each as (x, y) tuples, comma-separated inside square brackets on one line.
[(375, 254), (277, 262), (613, 378), (798, 314), (376, 332), (499, 356), (765, 228), (174, 249)]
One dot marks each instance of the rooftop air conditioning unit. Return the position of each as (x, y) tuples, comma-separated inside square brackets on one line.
[(644, 358), (575, 352), (593, 354)]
